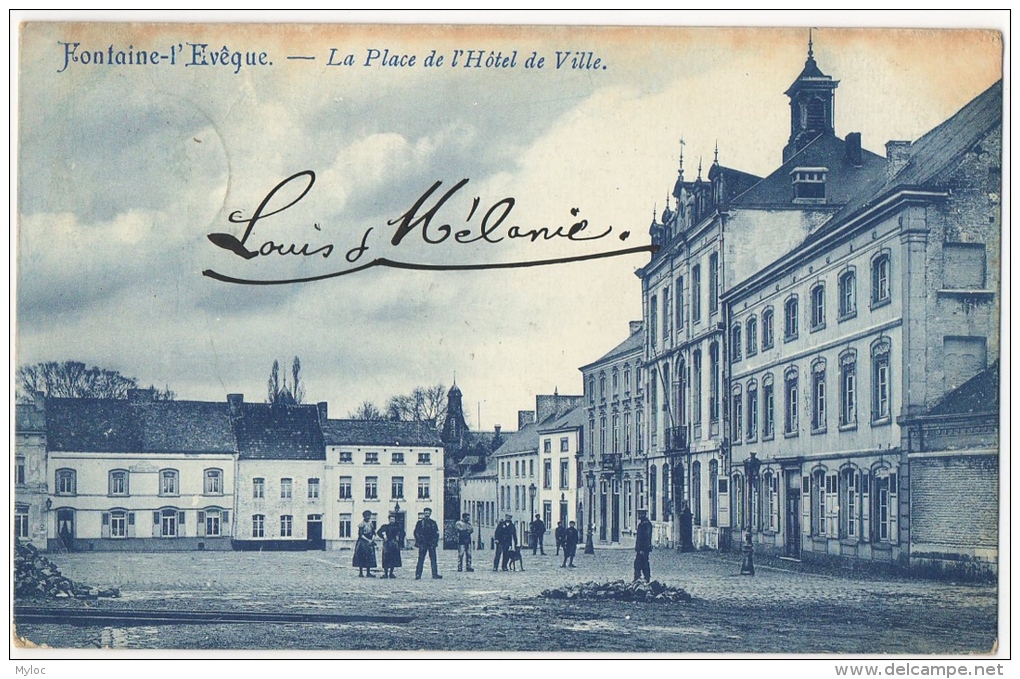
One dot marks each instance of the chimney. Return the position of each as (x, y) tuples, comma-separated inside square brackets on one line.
[(141, 395), (853, 149), (897, 155), (524, 418), (39, 400), (323, 408), (235, 401), (497, 428), (635, 327)]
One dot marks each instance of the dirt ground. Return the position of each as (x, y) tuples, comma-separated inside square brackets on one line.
[(777, 611)]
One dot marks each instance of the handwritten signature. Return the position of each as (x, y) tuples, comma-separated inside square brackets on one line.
[(491, 227)]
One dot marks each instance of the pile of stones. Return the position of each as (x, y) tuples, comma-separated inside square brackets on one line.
[(37, 576), (621, 590)]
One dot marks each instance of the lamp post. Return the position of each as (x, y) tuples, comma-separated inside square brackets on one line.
[(751, 467), (589, 544)]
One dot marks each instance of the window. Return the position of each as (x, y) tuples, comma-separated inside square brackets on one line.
[(258, 488), (817, 307), (591, 390), (713, 382), (818, 395), (397, 488), (626, 380), (371, 487), (847, 294), (752, 410), (653, 322), (665, 314), (809, 182), (517, 468), (66, 482), (696, 388), (885, 508), (169, 519), (818, 502), (680, 302), (21, 522), (212, 522), (346, 457), (751, 343), (258, 526), (19, 470), (738, 414), (626, 434), (424, 488), (564, 444), (372, 458), (616, 433), (768, 407), (396, 458), (770, 483), (713, 283), (831, 505), (118, 482), (591, 436), (547, 445), (564, 473), (118, 523), (214, 482), (602, 435), (792, 391), (880, 408), (169, 483), (313, 489), (848, 388), (424, 458), (547, 475), (849, 502), (286, 526), (639, 432), (286, 489), (880, 291), (790, 318), (768, 328), (696, 293), (346, 526), (735, 343)]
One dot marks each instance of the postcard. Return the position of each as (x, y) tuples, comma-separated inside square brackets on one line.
[(511, 339)]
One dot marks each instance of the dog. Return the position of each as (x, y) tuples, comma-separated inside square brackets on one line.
[(515, 560)]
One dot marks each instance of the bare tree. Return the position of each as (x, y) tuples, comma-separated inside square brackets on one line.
[(366, 411), (423, 404), (297, 389), (74, 379)]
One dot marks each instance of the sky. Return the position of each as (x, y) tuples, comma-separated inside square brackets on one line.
[(124, 171)]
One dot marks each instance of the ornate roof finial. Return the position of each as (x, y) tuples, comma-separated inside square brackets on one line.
[(716, 152), (682, 144), (699, 167), (810, 44), (655, 211)]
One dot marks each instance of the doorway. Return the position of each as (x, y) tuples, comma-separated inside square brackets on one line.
[(314, 532), (793, 490), (65, 529)]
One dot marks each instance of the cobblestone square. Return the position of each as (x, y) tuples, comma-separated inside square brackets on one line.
[(776, 611)]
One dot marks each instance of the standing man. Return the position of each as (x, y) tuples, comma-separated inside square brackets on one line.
[(506, 541), (464, 530), (426, 537), (538, 535), (643, 547), (570, 540), (560, 533)]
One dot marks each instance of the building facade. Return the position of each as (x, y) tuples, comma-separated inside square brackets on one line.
[(618, 479), (30, 473)]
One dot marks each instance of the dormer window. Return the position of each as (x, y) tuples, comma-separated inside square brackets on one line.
[(809, 184)]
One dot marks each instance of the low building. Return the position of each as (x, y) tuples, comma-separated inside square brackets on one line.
[(388, 468), (30, 473), (478, 493), (139, 474), (559, 498)]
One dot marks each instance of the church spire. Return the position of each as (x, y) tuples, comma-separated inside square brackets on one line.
[(812, 104)]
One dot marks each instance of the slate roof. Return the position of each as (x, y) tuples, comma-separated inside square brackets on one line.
[(122, 426), (575, 417), (843, 181), (933, 153), (979, 394), (28, 418), (380, 433), (279, 432), (632, 343), (523, 440)]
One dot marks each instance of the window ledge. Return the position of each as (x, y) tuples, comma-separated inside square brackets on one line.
[(791, 434), (790, 338), (877, 304), (848, 427), (769, 437), (882, 422), (819, 430), (958, 292), (847, 316), (820, 326)]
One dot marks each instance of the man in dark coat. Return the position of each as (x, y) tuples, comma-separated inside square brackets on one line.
[(570, 540), (559, 535), (643, 547), (506, 541), (426, 537), (538, 535)]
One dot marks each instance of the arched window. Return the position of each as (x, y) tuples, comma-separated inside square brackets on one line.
[(880, 382), (737, 414), (818, 396), (848, 294), (169, 482), (881, 279), (752, 336), (66, 482), (848, 389), (818, 307), (884, 499), (653, 487), (768, 329), (735, 343), (790, 318), (791, 387), (768, 408), (752, 410), (118, 482), (696, 492)]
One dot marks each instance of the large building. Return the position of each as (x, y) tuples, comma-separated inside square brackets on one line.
[(615, 462), (795, 323)]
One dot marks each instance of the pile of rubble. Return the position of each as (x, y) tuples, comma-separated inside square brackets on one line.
[(621, 590), (37, 576)]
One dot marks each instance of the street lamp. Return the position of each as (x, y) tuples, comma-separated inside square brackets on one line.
[(532, 490), (751, 467), (589, 545)]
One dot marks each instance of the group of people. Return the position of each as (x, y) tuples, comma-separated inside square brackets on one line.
[(507, 548)]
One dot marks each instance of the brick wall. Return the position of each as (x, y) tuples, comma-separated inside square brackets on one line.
[(955, 502)]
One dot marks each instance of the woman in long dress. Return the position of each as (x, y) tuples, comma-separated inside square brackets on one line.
[(390, 533), (364, 548)]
